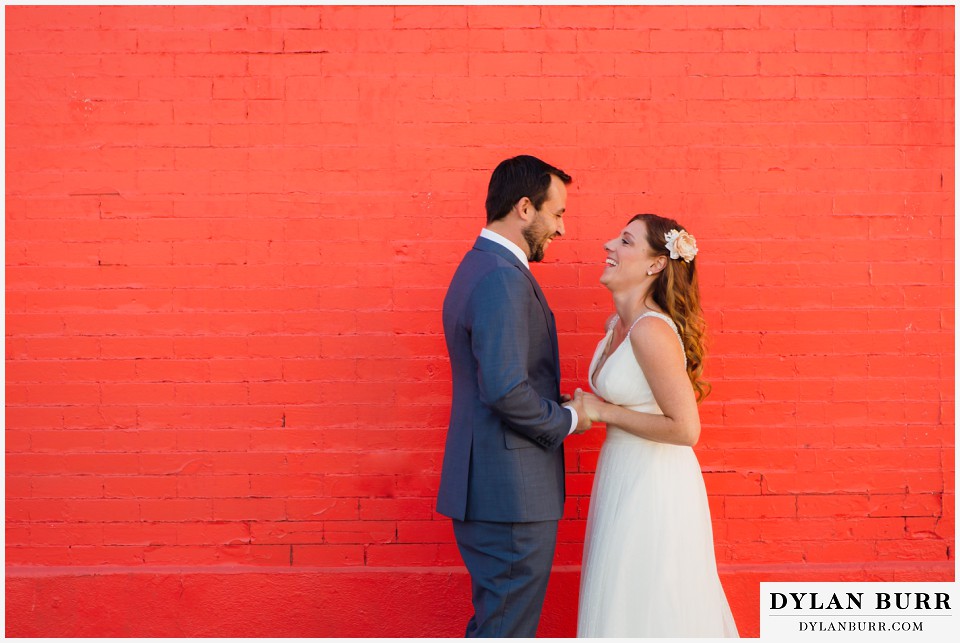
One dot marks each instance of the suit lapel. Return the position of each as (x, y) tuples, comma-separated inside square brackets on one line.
[(486, 245), (551, 325)]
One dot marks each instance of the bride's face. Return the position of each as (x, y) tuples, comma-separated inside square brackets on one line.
[(630, 258)]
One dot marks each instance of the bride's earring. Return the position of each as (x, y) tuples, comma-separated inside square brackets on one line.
[(649, 272)]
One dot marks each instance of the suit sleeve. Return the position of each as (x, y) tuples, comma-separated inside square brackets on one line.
[(500, 314)]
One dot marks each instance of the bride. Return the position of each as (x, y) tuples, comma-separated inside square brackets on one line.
[(648, 565)]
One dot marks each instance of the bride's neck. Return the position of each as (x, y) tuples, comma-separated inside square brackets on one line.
[(630, 304)]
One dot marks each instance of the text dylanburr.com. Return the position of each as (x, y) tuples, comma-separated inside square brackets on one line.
[(809, 611)]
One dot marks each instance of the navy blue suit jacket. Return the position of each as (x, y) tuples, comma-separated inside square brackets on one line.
[(504, 453)]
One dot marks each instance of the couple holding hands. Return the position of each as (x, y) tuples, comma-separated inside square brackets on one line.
[(648, 564)]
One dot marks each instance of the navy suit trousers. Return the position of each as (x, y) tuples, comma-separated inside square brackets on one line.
[(509, 565)]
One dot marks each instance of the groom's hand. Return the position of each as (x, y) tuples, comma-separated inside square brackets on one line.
[(583, 419)]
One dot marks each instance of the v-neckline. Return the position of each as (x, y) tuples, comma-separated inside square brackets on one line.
[(600, 366)]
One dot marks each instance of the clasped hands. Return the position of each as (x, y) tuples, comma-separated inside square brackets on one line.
[(587, 406)]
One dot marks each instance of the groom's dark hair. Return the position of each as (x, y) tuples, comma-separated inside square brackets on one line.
[(518, 177)]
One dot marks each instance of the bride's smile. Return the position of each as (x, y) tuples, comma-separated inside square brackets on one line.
[(630, 260)]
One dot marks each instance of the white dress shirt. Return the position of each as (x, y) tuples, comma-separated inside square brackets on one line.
[(487, 233)]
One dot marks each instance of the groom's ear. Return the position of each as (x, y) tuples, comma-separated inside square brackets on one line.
[(524, 209)]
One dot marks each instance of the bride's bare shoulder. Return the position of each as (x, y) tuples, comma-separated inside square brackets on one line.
[(652, 337)]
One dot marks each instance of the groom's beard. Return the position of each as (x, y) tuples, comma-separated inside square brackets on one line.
[(536, 237)]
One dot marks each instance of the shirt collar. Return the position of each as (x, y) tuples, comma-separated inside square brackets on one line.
[(486, 233)]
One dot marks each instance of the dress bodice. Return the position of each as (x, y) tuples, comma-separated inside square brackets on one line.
[(621, 381)]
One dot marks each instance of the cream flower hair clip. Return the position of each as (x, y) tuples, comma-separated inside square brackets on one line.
[(681, 243)]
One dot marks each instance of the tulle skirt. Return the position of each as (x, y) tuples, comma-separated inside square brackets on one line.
[(649, 567)]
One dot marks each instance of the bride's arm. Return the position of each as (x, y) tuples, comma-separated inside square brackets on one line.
[(660, 356)]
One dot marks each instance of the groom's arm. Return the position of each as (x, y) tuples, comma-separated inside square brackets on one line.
[(500, 311)]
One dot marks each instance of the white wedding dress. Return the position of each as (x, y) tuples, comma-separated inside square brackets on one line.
[(649, 568)]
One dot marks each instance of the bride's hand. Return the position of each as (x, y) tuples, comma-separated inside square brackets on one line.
[(591, 404)]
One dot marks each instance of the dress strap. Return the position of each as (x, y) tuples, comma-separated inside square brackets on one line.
[(612, 322), (665, 318), (651, 313)]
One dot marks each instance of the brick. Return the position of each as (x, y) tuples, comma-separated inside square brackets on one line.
[(286, 532), (827, 87), (906, 505), (912, 40), (584, 17), (430, 18), (176, 509), (202, 485), (731, 483), (393, 555), (762, 507), (607, 40), (505, 64), (832, 40), (55, 18), (226, 533), (842, 550), (410, 508), (249, 509), (329, 555), (676, 40), (323, 509), (173, 41), (650, 17), (912, 550), (501, 17), (247, 41), (764, 40), (526, 40), (903, 87), (209, 64), (420, 531), (362, 532), (66, 534)]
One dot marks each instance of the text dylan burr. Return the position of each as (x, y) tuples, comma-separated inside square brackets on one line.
[(854, 601)]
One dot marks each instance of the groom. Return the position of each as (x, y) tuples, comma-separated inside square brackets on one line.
[(502, 480)]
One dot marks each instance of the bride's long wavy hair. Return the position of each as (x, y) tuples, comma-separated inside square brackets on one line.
[(677, 291)]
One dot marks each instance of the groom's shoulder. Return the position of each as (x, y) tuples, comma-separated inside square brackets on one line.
[(482, 259), (488, 272), (481, 277)]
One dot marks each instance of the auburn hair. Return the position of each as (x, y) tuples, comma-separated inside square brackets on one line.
[(677, 291)]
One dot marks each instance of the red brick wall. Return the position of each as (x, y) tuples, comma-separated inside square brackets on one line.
[(228, 235)]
